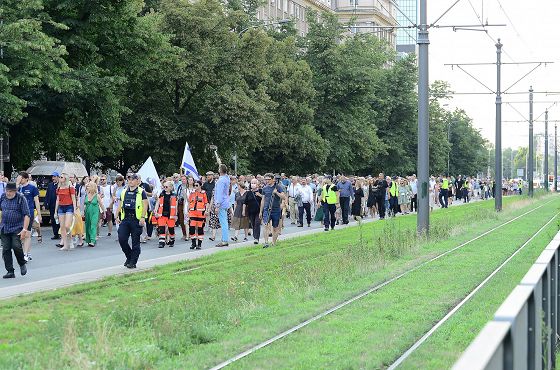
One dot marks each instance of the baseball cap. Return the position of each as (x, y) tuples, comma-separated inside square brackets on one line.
[(11, 186), (55, 174), (134, 176)]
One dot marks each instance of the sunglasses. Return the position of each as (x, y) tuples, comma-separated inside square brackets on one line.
[(196, 185)]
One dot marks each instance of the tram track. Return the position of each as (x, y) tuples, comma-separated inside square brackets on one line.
[(374, 289)]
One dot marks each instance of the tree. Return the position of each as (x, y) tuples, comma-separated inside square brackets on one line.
[(344, 76)]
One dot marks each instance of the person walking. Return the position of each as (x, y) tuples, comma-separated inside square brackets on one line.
[(444, 192), (14, 228), (380, 190), (329, 198), (107, 196), (346, 192), (183, 205), (222, 204), (405, 195), (292, 191), (197, 206), (357, 204), (305, 199), (64, 209), (165, 215), (31, 194), (393, 197), (271, 211), (132, 215), (414, 199), (252, 207), (50, 204), (93, 208), (240, 220)]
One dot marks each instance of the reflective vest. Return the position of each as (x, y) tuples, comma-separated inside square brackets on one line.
[(172, 206), (445, 184), (466, 185), (394, 189), (328, 196), (197, 204), (139, 203)]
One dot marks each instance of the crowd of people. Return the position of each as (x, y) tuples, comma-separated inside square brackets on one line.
[(248, 205)]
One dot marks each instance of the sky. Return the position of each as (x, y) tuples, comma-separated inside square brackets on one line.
[(530, 35)]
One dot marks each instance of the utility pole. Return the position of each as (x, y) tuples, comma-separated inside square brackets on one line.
[(555, 157), (546, 150), (2, 126), (530, 160), (498, 156), (423, 219)]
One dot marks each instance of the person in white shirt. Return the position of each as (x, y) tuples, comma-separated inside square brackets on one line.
[(414, 200), (304, 194), (107, 196), (292, 203)]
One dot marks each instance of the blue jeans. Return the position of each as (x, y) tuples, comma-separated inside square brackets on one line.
[(222, 216)]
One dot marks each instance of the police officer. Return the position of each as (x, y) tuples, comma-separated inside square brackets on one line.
[(329, 197), (444, 192), (132, 214)]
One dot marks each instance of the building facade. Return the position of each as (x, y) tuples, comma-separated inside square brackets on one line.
[(406, 37), (362, 16)]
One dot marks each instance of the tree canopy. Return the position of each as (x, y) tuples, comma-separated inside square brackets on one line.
[(113, 82)]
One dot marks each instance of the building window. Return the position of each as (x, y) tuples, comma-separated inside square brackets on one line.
[(354, 3)]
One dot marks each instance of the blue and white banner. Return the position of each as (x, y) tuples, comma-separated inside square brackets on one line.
[(188, 163)]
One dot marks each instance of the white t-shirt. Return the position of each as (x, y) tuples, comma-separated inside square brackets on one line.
[(107, 195)]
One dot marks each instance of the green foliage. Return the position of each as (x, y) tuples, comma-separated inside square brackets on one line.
[(113, 82)]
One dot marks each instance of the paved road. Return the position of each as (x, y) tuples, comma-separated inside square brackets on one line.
[(52, 268)]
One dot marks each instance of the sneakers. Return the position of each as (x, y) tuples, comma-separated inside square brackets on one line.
[(23, 269), (9, 275), (222, 244), (130, 266), (126, 263)]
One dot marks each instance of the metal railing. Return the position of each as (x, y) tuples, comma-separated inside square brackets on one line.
[(523, 333)]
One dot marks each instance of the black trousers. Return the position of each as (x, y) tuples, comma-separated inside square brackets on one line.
[(329, 218), (11, 242), (380, 204), (307, 208), (345, 208), (443, 197), (130, 228), (54, 225), (255, 224), (413, 203)]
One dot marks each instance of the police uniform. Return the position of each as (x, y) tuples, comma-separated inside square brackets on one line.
[(329, 200), (444, 192), (132, 210)]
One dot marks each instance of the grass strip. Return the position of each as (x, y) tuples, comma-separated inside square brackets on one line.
[(445, 347), (235, 299), (373, 332)]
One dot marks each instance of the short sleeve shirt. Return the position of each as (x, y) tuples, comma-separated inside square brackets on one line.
[(267, 192), (30, 192), (65, 196)]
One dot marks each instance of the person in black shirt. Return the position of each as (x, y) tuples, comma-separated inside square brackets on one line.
[(379, 191), (132, 218), (252, 207), (149, 192)]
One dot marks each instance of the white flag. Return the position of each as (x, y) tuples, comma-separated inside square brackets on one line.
[(188, 163), (150, 175)]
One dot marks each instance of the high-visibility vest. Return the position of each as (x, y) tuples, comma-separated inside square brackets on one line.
[(466, 185), (139, 203), (172, 206), (197, 204), (328, 196), (445, 184), (394, 189)]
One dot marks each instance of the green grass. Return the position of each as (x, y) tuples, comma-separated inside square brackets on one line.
[(238, 298)]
